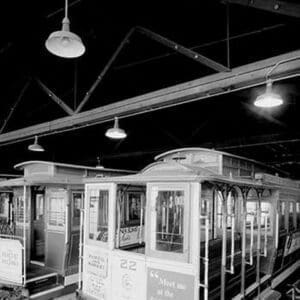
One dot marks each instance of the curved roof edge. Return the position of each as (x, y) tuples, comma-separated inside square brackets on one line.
[(21, 166), (178, 150)]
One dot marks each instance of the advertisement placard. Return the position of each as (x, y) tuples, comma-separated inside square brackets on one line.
[(96, 273), (167, 285), (11, 260)]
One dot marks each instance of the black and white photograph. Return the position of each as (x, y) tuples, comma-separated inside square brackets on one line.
[(150, 150)]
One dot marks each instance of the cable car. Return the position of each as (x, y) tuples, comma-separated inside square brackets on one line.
[(39, 231), (195, 224)]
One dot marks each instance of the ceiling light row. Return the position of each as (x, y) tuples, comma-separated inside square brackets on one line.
[(114, 132)]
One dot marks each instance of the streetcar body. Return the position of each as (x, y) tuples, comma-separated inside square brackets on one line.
[(209, 225), (40, 219)]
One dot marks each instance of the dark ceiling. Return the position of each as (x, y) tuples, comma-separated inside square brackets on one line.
[(227, 122)]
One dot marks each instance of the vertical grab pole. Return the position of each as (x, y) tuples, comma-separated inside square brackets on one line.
[(80, 247), (67, 224), (231, 270), (258, 243), (141, 219), (118, 202), (224, 244), (24, 234), (265, 235), (277, 230), (205, 258), (251, 239), (243, 266)]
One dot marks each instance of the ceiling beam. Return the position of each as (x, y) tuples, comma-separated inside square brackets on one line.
[(275, 6), (269, 140), (287, 65)]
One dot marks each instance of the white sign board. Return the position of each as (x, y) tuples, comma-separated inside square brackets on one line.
[(95, 273), (128, 277), (131, 235), (11, 260)]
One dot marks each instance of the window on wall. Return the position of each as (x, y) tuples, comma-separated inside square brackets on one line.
[(4, 207), (77, 198), (131, 209), (230, 209), (19, 209), (251, 208), (282, 215), (291, 216), (131, 202), (98, 215), (39, 207), (298, 214), (170, 221), (206, 207), (218, 214), (265, 219), (56, 213)]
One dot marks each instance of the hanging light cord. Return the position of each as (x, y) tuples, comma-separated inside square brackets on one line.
[(66, 9)]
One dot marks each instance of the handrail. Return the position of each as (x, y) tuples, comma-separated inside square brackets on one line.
[(205, 258), (67, 224), (11, 236)]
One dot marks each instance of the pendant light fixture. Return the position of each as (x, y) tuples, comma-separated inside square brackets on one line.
[(35, 146), (116, 132), (269, 98), (65, 43)]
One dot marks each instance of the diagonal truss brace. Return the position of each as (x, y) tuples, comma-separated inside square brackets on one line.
[(183, 50), (24, 89), (275, 6), (213, 85), (55, 98), (160, 39)]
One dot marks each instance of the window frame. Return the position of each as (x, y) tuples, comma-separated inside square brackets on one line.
[(297, 215), (50, 193), (152, 191), (110, 187), (73, 192)]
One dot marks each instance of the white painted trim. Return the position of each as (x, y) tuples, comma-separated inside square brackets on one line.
[(39, 263), (251, 287), (71, 279), (282, 276), (35, 296), (41, 277)]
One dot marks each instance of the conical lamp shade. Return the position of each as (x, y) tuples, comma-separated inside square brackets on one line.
[(35, 146), (116, 132), (65, 43), (269, 98)]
